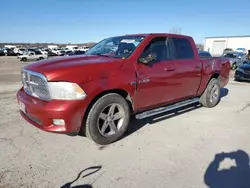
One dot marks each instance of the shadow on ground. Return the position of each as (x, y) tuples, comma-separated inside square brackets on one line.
[(138, 124), (234, 177), (92, 170)]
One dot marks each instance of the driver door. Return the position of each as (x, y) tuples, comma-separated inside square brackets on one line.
[(156, 78), (32, 55)]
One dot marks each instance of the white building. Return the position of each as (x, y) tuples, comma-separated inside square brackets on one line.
[(216, 45), (52, 46), (10, 46)]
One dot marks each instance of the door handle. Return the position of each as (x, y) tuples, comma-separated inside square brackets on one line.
[(169, 69), (197, 67)]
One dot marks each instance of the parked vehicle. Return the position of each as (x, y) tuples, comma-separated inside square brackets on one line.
[(242, 73), (84, 48), (32, 55), (51, 54), (96, 94), (228, 50), (236, 59), (204, 54), (242, 50), (77, 52), (248, 55), (9, 52), (2, 52)]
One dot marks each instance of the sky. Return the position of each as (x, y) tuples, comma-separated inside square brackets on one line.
[(80, 21)]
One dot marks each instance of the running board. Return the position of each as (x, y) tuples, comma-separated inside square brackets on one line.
[(166, 108)]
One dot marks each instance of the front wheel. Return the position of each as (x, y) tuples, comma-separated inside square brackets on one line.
[(108, 119), (24, 59), (211, 97)]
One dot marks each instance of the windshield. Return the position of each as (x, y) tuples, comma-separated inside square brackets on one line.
[(118, 47)]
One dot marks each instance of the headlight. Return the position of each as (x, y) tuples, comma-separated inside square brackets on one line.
[(66, 91), (240, 69)]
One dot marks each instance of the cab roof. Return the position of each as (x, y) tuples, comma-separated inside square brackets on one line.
[(157, 34)]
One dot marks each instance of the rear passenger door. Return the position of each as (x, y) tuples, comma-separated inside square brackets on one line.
[(188, 68)]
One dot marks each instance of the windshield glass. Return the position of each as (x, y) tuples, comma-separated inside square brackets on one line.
[(118, 47)]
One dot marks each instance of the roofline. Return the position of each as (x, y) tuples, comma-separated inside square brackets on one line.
[(239, 36)]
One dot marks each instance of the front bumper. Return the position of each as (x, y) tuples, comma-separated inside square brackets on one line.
[(242, 75), (41, 113)]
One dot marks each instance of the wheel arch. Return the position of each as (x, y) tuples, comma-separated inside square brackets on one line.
[(120, 92)]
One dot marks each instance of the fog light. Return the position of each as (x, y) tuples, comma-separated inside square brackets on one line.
[(59, 122)]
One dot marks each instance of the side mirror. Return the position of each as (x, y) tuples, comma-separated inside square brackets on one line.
[(147, 59)]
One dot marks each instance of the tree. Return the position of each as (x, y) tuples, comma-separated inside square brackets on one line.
[(175, 30)]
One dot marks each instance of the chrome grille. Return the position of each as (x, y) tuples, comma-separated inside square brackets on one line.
[(35, 84)]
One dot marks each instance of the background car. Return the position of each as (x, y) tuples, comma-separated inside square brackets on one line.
[(2, 52), (242, 73), (32, 55), (236, 59), (9, 52), (77, 52), (242, 50), (227, 50), (204, 54)]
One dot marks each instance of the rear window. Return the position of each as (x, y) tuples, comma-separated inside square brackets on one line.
[(204, 54), (183, 48), (38, 52), (230, 55)]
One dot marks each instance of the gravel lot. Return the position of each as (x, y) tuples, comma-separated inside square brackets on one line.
[(171, 150)]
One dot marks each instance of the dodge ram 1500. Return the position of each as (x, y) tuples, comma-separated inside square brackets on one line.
[(118, 78)]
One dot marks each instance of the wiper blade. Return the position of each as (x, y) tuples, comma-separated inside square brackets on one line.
[(102, 55)]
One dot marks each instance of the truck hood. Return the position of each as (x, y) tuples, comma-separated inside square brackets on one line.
[(76, 68)]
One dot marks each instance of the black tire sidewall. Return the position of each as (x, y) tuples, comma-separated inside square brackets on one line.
[(24, 59), (209, 90), (94, 115)]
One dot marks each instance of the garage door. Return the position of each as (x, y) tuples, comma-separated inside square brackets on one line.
[(218, 47)]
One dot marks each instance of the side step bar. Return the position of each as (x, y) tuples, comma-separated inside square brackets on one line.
[(166, 108)]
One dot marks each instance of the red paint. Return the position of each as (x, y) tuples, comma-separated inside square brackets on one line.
[(170, 81)]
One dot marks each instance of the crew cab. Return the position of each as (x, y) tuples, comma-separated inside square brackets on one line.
[(120, 77)]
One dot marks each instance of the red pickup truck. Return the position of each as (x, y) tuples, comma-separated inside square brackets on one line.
[(97, 93)]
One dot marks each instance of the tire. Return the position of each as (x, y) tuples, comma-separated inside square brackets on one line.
[(211, 96), (40, 58), (100, 130), (24, 59), (234, 66), (237, 80)]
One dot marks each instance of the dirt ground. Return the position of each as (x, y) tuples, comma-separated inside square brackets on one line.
[(170, 150)]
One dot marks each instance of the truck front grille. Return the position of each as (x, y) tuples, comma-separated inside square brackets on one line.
[(35, 84)]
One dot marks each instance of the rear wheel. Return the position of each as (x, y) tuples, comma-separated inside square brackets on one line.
[(211, 96), (40, 58), (108, 119)]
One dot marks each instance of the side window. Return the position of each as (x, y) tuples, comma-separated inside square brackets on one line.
[(159, 47), (183, 48), (38, 53), (204, 55)]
